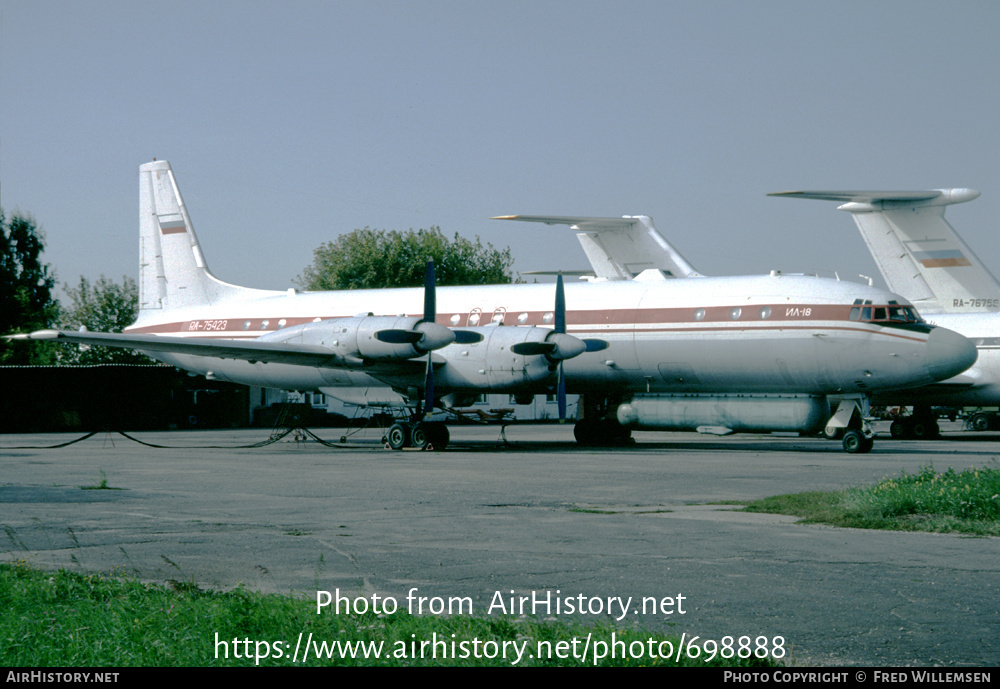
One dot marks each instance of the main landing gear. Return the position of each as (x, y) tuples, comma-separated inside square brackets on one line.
[(921, 425), (598, 426), (602, 433), (851, 423), (421, 435)]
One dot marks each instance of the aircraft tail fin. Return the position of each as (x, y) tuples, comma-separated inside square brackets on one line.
[(172, 269), (918, 253), (620, 248)]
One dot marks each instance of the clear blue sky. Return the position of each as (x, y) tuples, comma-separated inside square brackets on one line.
[(290, 123)]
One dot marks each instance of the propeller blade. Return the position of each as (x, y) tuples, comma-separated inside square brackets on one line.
[(533, 348), (429, 388), (467, 337), (430, 298), (561, 394), (399, 336), (560, 306), (430, 318)]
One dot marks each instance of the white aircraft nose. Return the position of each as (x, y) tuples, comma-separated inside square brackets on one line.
[(948, 353)]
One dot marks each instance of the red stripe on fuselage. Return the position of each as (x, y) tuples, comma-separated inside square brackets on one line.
[(711, 314), (589, 322)]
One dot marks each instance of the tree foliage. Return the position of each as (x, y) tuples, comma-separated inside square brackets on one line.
[(104, 306), (26, 301), (369, 259)]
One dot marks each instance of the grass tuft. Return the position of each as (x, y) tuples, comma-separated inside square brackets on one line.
[(101, 485), (950, 502)]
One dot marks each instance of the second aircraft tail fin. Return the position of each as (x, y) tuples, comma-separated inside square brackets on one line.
[(620, 248), (918, 253)]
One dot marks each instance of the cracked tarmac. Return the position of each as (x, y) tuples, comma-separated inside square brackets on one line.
[(537, 514)]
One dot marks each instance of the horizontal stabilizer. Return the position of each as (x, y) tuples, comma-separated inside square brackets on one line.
[(620, 248)]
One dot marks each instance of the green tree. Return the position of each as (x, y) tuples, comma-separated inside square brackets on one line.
[(368, 259), (26, 301), (104, 306)]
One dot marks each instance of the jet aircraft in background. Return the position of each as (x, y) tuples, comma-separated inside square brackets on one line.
[(748, 353), (620, 248), (921, 256)]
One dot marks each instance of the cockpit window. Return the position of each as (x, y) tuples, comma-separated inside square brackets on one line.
[(893, 312)]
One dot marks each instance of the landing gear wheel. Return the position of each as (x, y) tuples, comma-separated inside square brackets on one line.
[(900, 429), (855, 442), (926, 430), (418, 436), (585, 434), (602, 433), (397, 436), (980, 422), (437, 434), (833, 433)]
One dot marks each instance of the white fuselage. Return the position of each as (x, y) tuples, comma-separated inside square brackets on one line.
[(759, 334)]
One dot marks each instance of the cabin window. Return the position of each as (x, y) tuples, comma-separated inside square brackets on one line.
[(522, 318), (734, 313), (765, 312), (699, 314)]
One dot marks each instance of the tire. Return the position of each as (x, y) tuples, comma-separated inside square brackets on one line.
[(855, 442), (900, 429), (980, 422), (419, 436), (437, 434), (584, 434), (926, 430), (602, 433), (397, 436)]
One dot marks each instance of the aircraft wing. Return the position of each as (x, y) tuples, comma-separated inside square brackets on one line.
[(620, 248), (247, 350), (917, 251)]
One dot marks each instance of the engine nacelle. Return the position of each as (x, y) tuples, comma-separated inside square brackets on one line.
[(741, 413), (377, 338), (492, 364)]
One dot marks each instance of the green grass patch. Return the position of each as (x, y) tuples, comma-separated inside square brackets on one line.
[(950, 502), (69, 619), (101, 485)]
